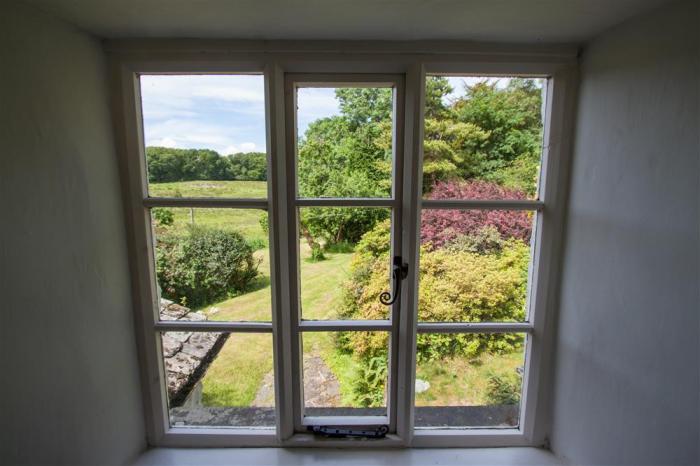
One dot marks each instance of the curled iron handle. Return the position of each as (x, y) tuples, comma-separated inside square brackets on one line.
[(399, 272)]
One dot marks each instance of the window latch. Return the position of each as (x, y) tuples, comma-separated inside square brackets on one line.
[(340, 432), (399, 272)]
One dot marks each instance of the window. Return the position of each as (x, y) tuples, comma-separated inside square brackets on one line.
[(362, 246)]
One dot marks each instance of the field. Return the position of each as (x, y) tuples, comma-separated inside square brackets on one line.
[(242, 373)]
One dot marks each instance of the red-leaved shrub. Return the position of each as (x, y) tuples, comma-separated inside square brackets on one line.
[(440, 226)]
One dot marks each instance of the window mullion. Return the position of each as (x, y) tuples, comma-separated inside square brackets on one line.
[(280, 259), (293, 356), (411, 186)]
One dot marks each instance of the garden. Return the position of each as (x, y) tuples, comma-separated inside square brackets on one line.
[(474, 264)]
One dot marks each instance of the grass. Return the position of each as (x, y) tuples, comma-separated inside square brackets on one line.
[(245, 221), (236, 374), (234, 378), (463, 381), (207, 188), (223, 384)]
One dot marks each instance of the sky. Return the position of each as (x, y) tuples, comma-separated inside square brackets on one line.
[(226, 113)]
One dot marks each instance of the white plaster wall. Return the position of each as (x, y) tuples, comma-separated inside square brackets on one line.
[(627, 360), (69, 389)]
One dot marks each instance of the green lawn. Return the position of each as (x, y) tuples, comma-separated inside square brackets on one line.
[(462, 381), (235, 376)]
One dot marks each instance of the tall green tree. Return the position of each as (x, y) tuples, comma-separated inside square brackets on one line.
[(512, 117), (348, 155)]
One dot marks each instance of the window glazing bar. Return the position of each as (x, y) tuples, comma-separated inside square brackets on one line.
[(205, 202), (474, 327), (209, 326), (460, 204)]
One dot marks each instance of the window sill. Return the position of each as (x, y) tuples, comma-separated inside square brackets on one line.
[(298, 457)]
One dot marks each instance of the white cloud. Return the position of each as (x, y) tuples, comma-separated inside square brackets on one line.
[(235, 149), (230, 94), (225, 113), (190, 134), (314, 103), (164, 142)]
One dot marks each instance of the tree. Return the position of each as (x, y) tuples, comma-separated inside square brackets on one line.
[(248, 166), (166, 164), (347, 156), (512, 119)]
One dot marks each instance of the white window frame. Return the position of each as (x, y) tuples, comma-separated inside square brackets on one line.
[(413, 61)]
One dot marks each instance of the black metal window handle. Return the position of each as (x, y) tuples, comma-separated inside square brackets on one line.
[(398, 273)]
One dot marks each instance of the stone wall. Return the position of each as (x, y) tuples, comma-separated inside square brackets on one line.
[(186, 354)]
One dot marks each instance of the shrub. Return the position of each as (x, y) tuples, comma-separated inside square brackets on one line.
[(264, 222), (336, 225), (163, 217), (484, 241), (204, 265), (317, 253), (504, 388), (441, 226), (455, 286), (369, 386), (257, 243)]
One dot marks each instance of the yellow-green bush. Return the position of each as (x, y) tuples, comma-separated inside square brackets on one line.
[(455, 286)]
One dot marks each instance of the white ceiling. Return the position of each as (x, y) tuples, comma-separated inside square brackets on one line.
[(572, 21)]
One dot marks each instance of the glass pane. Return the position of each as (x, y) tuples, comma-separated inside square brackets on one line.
[(483, 137), (474, 265), (344, 142), (469, 380), (205, 135), (219, 379), (212, 264), (344, 262), (345, 373)]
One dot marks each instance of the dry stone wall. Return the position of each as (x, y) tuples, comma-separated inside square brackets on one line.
[(186, 354)]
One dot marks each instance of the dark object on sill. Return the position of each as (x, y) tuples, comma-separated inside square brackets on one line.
[(344, 432)]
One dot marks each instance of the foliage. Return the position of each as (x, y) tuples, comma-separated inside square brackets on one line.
[(504, 388), (375, 242), (369, 386), (437, 87), (347, 156), (456, 285), (204, 265), (492, 133), (364, 105), (340, 224), (317, 253), (487, 240), (250, 166), (264, 222), (167, 164), (450, 149), (512, 118), (342, 247), (441, 226), (163, 217)]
